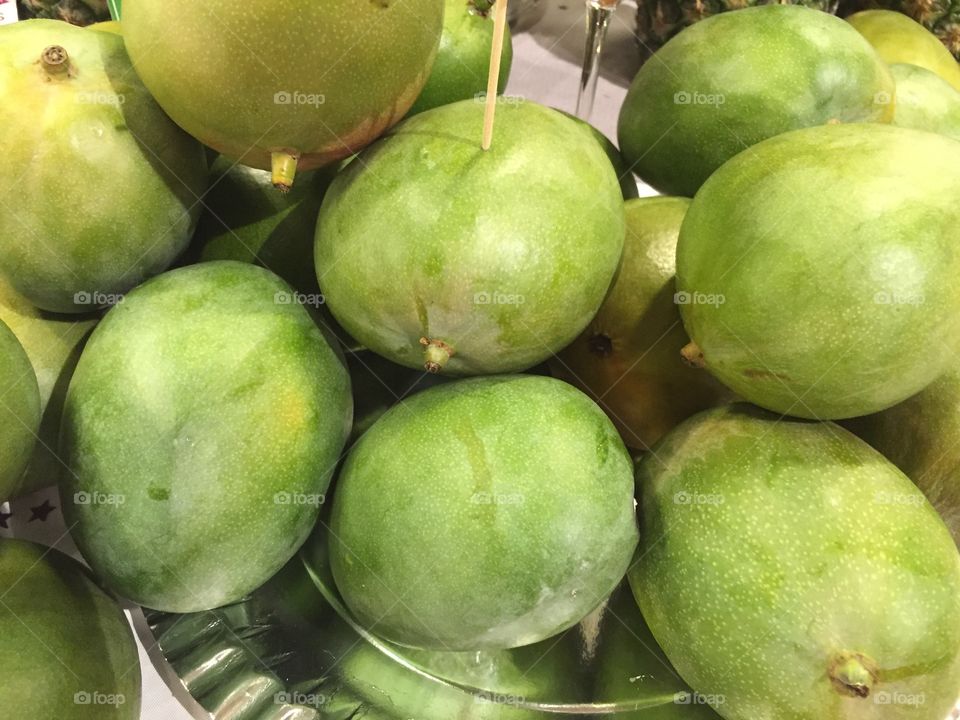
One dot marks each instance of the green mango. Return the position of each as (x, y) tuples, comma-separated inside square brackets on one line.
[(919, 436), (633, 674), (628, 183), (231, 74), (247, 220), (385, 680), (925, 101), (504, 514), (463, 60), (435, 253), (286, 631), (66, 650), (53, 343), (106, 186), (19, 412), (832, 292), (901, 39), (628, 359), (790, 572), (737, 78), (201, 428)]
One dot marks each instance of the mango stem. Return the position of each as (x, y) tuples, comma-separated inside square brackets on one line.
[(693, 356), (284, 166), (480, 7), (436, 353), (54, 60), (853, 674)]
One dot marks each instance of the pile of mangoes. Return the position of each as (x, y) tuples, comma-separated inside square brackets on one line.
[(236, 238)]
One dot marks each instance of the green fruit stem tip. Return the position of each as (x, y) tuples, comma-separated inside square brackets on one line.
[(54, 60), (693, 356), (284, 170), (853, 674), (481, 7), (436, 353)]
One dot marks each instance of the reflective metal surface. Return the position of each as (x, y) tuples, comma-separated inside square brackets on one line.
[(291, 651)]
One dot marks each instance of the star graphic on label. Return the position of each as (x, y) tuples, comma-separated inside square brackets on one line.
[(41, 511)]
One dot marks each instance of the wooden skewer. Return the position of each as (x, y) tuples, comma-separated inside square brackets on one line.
[(493, 78)]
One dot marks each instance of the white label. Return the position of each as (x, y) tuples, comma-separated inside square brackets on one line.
[(8, 12)]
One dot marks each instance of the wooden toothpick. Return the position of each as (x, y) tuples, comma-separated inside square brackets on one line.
[(493, 78)]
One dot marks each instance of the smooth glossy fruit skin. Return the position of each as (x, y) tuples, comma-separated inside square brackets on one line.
[(900, 39), (66, 650), (201, 429), (463, 59), (496, 258), (704, 98), (53, 343), (789, 568), (793, 319), (628, 358), (106, 185), (633, 672), (919, 437), (246, 219), (402, 682), (19, 412), (318, 79), (925, 101), (503, 510), (628, 183)]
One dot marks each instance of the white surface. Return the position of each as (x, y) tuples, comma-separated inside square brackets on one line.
[(546, 69), (547, 58), (8, 12)]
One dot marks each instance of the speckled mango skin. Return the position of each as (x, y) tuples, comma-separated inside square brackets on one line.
[(770, 545), (424, 226), (62, 635), (776, 67), (218, 66), (19, 412), (901, 39), (919, 436), (639, 378), (102, 187), (838, 273), (53, 343), (499, 510), (463, 59), (201, 401), (925, 101)]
